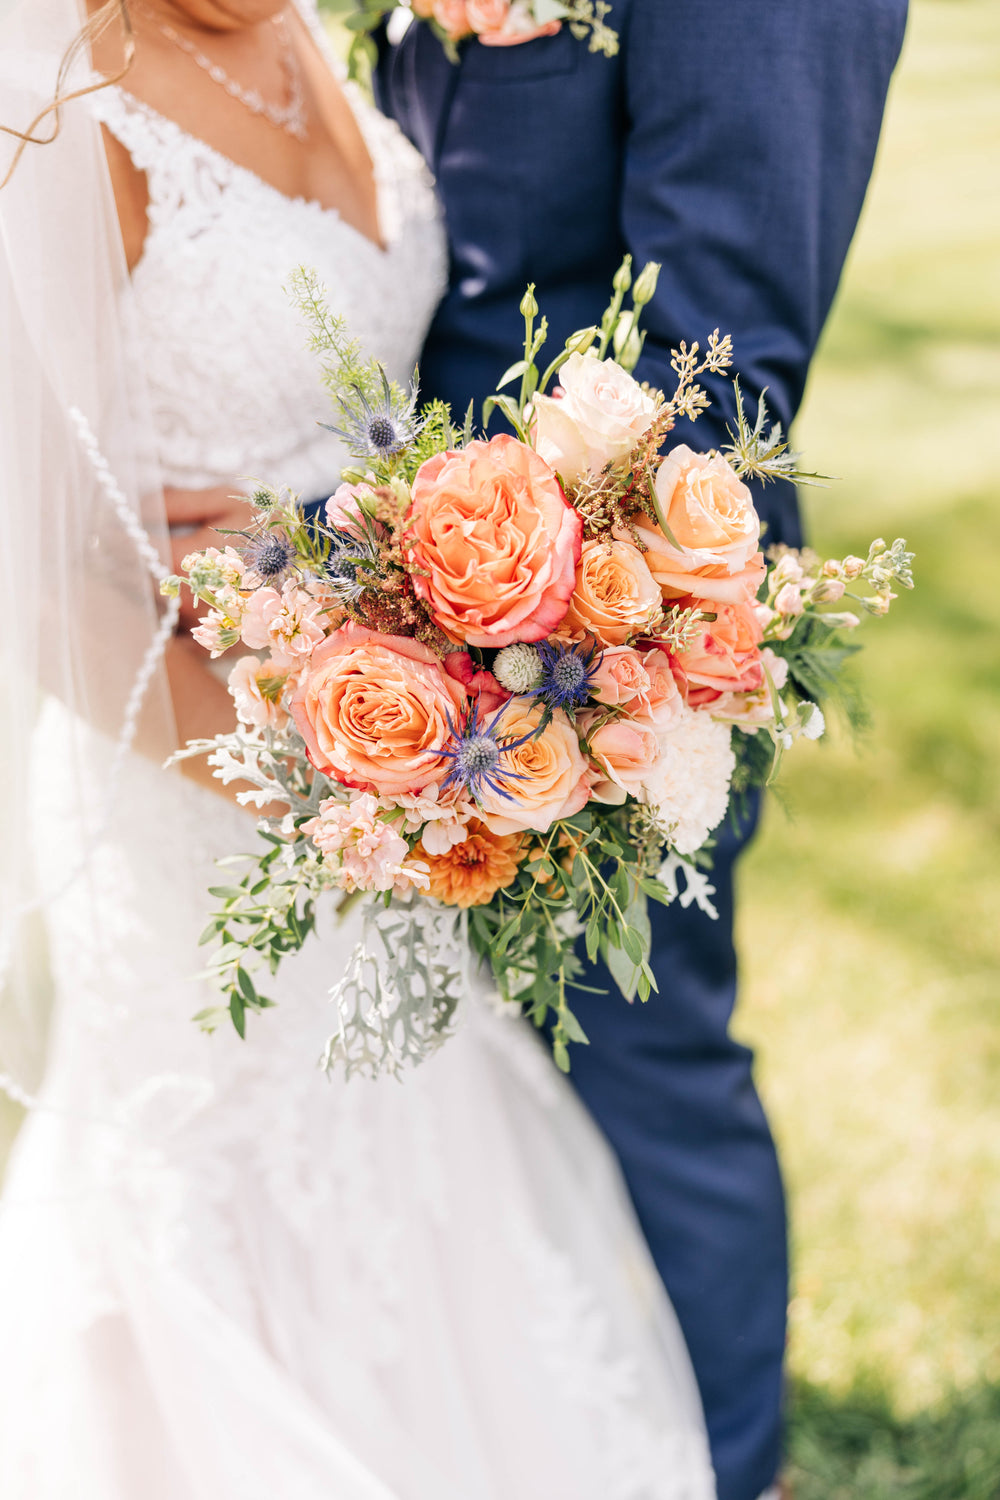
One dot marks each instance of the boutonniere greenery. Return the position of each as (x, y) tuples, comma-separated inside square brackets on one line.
[(493, 23)]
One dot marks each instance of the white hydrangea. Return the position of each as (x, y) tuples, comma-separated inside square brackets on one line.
[(689, 785), (517, 668)]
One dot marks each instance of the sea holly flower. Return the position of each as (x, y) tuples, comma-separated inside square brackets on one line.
[(270, 556), (476, 753), (379, 429), (566, 674)]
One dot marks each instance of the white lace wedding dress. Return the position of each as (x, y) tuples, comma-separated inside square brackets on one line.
[(224, 1276)]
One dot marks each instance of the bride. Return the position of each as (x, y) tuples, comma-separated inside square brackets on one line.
[(222, 1274)]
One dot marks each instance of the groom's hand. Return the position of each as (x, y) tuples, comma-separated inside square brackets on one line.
[(196, 519)]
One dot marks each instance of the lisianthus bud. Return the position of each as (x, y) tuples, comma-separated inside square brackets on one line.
[(529, 307), (623, 280), (645, 284), (581, 341)]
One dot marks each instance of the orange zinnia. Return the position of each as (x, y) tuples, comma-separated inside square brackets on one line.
[(471, 873)]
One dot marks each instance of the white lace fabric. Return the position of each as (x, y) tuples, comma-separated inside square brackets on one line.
[(222, 1275)]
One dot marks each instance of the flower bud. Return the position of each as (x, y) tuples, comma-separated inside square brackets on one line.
[(827, 590), (831, 568), (853, 567), (845, 621), (645, 284), (789, 600), (623, 280), (529, 307), (581, 341)]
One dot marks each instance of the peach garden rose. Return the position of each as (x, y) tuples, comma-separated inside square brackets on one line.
[(615, 594), (493, 543), (711, 515), (374, 709)]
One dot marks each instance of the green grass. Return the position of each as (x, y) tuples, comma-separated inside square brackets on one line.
[(870, 917)]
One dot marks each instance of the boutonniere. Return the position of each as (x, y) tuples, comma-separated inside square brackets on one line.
[(494, 23)]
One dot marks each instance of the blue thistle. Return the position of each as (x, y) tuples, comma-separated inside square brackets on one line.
[(353, 565), (270, 555), (567, 672), (382, 430), (476, 753)]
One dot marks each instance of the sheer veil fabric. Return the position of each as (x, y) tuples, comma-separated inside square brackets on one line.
[(81, 610), (222, 1275)]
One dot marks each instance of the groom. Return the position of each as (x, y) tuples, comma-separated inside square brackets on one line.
[(732, 141)]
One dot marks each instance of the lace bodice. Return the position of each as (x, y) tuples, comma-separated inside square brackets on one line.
[(235, 391)]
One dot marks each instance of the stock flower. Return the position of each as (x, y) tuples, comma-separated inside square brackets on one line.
[(599, 418), (624, 753), (368, 853), (752, 709), (493, 543), (374, 711), (546, 772), (723, 656), (256, 688), (711, 516), (471, 873), (443, 815), (615, 595), (289, 624)]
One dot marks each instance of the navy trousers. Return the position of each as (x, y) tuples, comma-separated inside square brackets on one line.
[(674, 1094)]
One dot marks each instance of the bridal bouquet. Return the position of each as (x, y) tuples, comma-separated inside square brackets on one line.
[(503, 688)]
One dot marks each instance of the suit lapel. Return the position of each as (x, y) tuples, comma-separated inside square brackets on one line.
[(428, 82)]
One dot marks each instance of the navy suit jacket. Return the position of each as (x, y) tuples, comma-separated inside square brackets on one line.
[(729, 140), (732, 141)]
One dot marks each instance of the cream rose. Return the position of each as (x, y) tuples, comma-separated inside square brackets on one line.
[(374, 709), (547, 775), (711, 516), (493, 542), (615, 594), (599, 418)]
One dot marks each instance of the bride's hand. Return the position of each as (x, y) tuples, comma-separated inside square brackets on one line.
[(196, 518)]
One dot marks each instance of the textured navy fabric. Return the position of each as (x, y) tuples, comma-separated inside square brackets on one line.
[(732, 141)]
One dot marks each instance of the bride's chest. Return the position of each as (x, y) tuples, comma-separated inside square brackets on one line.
[(233, 385)]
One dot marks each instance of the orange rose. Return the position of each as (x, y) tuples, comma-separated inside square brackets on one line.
[(711, 514), (724, 657), (373, 711), (493, 543), (471, 873), (451, 17), (615, 594), (547, 775)]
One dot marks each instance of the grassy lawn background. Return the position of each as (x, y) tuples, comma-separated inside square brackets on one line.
[(870, 920)]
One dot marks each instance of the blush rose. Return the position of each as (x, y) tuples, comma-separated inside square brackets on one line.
[(599, 418)]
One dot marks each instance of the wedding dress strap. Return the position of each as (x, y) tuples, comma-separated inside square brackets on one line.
[(181, 170)]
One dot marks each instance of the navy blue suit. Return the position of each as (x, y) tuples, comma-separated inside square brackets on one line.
[(732, 141)]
